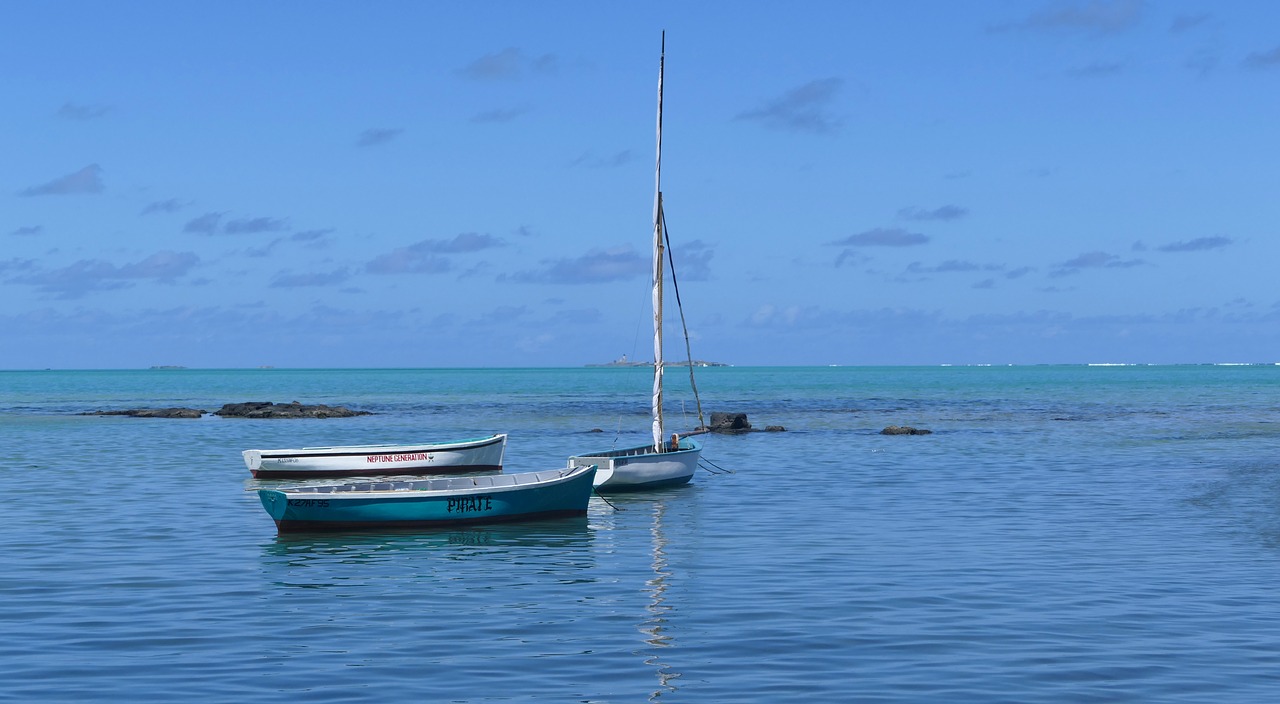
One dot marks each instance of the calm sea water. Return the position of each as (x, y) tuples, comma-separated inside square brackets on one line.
[(1066, 534)]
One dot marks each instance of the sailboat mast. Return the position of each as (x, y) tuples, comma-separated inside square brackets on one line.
[(658, 431)]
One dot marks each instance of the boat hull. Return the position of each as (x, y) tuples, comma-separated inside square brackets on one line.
[(430, 503), (640, 468), (370, 460)]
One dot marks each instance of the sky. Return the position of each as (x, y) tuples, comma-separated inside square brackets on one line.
[(423, 184)]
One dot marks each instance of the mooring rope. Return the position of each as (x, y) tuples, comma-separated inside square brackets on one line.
[(701, 460)]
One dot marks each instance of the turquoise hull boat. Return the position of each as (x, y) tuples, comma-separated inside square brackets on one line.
[(491, 498)]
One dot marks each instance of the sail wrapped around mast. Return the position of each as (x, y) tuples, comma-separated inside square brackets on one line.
[(658, 431)]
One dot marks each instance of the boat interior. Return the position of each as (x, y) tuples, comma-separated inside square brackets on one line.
[(447, 484)]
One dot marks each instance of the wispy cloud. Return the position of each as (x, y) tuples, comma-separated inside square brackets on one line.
[(1203, 62), (946, 212), (171, 205), (504, 314), (378, 135), (314, 238), (15, 264), (211, 224), (851, 256), (28, 230), (951, 266), (509, 64), (1090, 260), (693, 260), (1182, 23), (462, 242), (590, 160), (311, 239), (1199, 244), (498, 115), (1094, 260), (803, 109), (1097, 69), (596, 266), (86, 180), (427, 256), (249, 226), (89, 275), (407, 260), (770, 315), (206, 224), (263, 250), (883, 237), (314, 278), (1263, 59), (73, 111), (1092, 17)]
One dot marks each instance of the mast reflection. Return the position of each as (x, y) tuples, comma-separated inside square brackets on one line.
[(655, 626)]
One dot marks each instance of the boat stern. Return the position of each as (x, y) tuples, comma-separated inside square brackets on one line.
[(603, 465), (252, 460)]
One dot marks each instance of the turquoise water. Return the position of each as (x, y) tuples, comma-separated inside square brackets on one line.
[(1065, 534)]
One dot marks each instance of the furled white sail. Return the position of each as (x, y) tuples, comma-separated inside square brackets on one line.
[(658, 432)]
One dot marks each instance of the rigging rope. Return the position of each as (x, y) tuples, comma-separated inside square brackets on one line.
[(702, 423)]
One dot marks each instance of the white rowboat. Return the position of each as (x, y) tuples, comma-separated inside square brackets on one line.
[(368, 460)]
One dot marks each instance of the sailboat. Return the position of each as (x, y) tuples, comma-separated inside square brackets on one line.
[(663, 463)]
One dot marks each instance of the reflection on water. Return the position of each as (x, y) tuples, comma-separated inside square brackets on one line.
[(654, 627), (568, 534)]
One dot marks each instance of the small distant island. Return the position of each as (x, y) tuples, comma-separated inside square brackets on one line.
[(168, 366), (624, 362)]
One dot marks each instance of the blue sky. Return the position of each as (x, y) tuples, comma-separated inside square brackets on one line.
[(413, 184)]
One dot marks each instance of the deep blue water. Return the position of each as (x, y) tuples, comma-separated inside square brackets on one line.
[(1066, 534)]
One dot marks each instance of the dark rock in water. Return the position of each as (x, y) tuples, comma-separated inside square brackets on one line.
[(267, 409), (251, 409), (151, 413), (243, 410), (729, 422), (734, 424), (905, 430), (595, 430)]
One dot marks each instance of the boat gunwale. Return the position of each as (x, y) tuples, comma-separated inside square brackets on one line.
[(435, 488), (373, 450), (686, 446)]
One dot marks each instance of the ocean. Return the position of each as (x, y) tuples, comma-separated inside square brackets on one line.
[(1064, 534)]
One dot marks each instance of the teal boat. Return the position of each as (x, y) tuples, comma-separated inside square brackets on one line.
[(490, 498)]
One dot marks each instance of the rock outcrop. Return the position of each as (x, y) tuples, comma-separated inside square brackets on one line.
[(250, 409), (267, 409), (729, 423), (905, 430), (734, 423), (151, 413)]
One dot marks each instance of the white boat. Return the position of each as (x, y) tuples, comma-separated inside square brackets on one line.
[(367, 460), (662, 463)]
